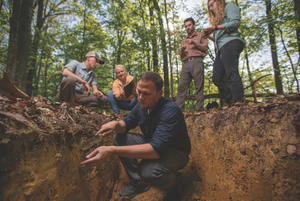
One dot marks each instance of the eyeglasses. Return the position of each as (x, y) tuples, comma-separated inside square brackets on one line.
[(211, 5)]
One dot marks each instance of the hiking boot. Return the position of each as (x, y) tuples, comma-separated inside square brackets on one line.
[(132, 191), (175, 193)]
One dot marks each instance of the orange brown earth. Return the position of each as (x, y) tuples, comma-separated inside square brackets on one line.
[(249, 152)]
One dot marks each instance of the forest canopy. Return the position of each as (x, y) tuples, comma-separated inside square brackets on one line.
[(39, 37)]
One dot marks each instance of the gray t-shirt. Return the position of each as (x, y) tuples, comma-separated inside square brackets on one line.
[(82, 72)]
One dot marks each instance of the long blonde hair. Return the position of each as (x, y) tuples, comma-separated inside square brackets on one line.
[(217, 17)]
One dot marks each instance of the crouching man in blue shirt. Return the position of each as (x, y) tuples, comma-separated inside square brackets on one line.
[(164, 146)]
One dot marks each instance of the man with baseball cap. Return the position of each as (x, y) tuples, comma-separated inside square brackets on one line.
[(75, 85), (94, 54)]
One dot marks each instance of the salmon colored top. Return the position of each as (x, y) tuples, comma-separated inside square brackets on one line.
[(117, 87)]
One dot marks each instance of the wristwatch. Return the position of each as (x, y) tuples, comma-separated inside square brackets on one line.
[(217, 27)]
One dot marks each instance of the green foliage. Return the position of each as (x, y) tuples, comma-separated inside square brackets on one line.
[(5, 15), (123, 33)]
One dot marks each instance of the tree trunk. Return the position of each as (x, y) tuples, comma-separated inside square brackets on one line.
[(164, 50), (84, 49), (250, 76), (272, 38), (24, 42), (120, 40), (13, 42), (153, 39), (290, 59), (297, 13), (170, 49), (39, 68), (34, 51), (145, 47)]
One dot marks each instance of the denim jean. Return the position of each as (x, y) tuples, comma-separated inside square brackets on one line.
[(227, 61), (161, 173), (122, 104)]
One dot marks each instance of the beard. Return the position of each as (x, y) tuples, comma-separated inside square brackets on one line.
[(189, 31)]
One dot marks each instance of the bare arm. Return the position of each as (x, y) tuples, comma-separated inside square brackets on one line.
[(108, 128), (142, 151), (99, 155), (212, 29), (201, 46), (66, 72), (211, 38), (181, 51)]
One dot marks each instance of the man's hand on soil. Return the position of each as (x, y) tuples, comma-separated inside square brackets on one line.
[(97, 157), (107, 128)]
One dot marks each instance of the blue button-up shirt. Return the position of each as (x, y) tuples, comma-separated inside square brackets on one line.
[(164, 127)]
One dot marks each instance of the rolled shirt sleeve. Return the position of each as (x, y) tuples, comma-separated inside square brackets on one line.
[(233, 17), (166, 130)]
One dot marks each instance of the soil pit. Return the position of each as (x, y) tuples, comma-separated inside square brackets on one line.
[(249, 152)]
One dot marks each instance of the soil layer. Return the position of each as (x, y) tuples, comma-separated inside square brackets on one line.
[(246, 152)]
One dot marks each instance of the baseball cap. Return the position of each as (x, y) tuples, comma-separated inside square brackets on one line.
[(94, 54)]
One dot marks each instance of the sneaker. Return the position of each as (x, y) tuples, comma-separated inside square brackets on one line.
[(176, 192), (132, 191)]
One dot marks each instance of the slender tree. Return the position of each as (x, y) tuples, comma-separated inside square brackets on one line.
[(13, 42), (297, 14), (272, 38), (170, 48), (20, 41), (162, 37), (153, 38), (34, 48)]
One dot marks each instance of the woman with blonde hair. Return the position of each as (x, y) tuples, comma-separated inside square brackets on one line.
[(225, 20), (117, 97)]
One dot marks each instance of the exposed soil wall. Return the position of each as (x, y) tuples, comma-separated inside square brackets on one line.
[(40, 152), (250, 152)]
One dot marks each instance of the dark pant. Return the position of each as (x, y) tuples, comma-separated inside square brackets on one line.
[(193, 69), (161, 173), (67, 93), (227, 61)]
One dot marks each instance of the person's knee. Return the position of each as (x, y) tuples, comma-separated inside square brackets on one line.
[(181, 89), (215, 80), (146, 175), (233, 77), (110, 94), (69, 81), (150, 173), (104, 99)]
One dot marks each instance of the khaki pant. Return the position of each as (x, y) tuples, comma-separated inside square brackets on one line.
[(68, 94), (192, 69)]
